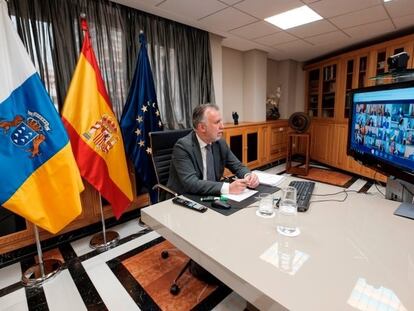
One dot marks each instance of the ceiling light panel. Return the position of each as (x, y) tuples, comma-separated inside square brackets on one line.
[(292, 18)]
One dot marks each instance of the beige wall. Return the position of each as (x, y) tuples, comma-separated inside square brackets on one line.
[(232, 84), (231, 65), (254, 85), (217, 63), (289, 76)]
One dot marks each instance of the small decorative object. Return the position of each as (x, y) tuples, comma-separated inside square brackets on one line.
[(235, 117), (272, 105)]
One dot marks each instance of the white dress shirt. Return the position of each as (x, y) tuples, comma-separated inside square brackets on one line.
[(226, 186)]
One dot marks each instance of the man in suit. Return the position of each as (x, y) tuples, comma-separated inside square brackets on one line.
[(189, 169)]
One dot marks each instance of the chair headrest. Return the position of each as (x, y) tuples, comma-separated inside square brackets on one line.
[(166, 139)]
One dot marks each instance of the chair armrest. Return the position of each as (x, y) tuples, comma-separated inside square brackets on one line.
[(165, 189)]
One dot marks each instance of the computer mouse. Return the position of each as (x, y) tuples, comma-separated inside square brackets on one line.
[(220, 204)]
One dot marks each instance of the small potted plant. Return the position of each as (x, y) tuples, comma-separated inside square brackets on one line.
[(272, 105)]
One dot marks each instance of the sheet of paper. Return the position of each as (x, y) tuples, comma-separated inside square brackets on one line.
[(242, 196), (269, 179)]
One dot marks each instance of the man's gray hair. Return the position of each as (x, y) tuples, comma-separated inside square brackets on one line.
[(198, 113)]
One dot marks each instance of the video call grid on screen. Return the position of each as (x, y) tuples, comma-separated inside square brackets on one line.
[(384, 125)]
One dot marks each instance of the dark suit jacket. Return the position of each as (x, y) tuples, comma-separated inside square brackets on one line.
[(186, 168)]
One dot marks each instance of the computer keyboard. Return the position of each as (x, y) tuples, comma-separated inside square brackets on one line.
[(304, 193)]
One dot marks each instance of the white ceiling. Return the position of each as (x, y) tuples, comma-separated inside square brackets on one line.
[(240, 23)]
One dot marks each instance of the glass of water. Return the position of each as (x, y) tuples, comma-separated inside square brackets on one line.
[(266, 205), (287, 214)]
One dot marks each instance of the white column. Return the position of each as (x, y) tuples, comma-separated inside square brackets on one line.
[(254, 85), (217, 67)]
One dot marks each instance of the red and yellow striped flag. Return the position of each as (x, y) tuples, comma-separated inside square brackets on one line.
[(94, 131)]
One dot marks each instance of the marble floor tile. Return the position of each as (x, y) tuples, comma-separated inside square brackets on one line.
[(10, 275), (81, 246), (126, 229), (232, 302), (61, 293), (358, 184), (119, 250), (377, 188), (15, 301), (109, 288)]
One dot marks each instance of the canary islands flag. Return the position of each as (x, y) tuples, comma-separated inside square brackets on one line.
[(39, 177), (94, 131)]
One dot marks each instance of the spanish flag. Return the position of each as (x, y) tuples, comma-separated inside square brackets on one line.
[(94, 131), (39, 177)]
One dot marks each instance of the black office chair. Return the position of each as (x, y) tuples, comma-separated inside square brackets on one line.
[(162, 144)]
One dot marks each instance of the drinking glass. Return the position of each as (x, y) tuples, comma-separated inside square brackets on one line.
[(266, 205), (287, 213)]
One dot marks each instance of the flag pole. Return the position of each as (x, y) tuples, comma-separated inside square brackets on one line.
[(44, 270), (104, 240)]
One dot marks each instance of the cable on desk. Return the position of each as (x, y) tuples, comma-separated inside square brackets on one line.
[(376, 186), (332, 200), (328, 194), (335, 193)]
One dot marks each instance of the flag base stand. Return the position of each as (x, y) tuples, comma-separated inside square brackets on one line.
[(104, 240), (38, 274), (44, 271)]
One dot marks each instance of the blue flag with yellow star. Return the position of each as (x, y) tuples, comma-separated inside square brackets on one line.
[(140, 117)]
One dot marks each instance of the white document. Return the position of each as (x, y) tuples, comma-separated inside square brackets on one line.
[(242, 196), (269, 179)]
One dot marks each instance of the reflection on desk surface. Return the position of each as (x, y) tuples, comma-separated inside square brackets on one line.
[(366, 297), (284, 257)]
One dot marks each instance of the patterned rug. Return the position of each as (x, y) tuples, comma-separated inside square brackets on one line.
[(329, 177), (149, 278)]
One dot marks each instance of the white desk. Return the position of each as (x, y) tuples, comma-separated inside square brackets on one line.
[(349, 256)]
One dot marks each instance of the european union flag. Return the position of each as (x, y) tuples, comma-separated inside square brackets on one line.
[(140, 117)]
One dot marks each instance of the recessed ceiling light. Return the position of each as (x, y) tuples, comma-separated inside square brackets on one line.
[(292, 18), (387, 0)]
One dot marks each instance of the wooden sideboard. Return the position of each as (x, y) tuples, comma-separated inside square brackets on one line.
[(258, 143)]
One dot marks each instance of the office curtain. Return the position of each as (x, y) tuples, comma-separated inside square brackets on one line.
[(179, 55)]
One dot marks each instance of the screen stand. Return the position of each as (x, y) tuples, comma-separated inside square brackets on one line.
[(402, 191), (405, 210)]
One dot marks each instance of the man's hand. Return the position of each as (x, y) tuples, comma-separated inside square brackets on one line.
[(237, 186), (252, 180)]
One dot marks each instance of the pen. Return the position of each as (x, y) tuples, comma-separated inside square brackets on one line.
[(209, 199), (213, 198)]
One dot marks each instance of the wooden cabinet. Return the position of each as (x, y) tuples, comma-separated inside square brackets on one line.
[(380, 54), (313, 91), (354, 75), (328, 90), (321, 90), (320, 142), (244, 142), (257, 143), (329, 84), (329, 141), (278, 141)]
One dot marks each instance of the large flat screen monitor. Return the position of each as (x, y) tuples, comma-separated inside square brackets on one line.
[(381, 129)]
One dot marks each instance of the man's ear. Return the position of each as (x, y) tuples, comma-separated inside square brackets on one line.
[(201, 127)]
